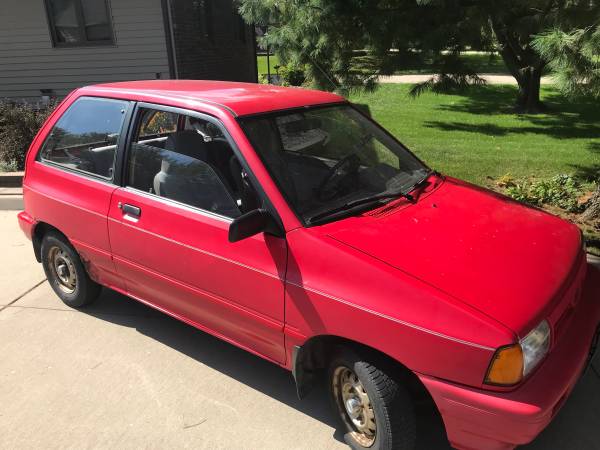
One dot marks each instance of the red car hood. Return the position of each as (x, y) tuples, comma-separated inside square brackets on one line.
[(502, 258)]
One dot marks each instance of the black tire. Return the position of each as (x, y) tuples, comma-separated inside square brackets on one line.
[(391, 403), (83, 290)]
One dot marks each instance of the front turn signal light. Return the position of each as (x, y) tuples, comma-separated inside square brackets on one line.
[(506, 368)]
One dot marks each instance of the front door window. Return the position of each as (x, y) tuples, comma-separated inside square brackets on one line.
[(190, 161)]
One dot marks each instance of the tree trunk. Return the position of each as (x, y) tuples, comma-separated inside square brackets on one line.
[(524, 64), (592, 212), (528, 99)]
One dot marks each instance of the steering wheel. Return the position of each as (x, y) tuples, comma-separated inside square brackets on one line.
[(334, 181)]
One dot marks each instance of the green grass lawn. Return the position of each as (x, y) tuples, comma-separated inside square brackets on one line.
[(477, 137), (262, 64)]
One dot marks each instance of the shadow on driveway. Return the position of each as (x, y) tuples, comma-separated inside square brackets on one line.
[(576, 426)]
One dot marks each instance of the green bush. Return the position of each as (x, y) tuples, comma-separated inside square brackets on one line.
[(290, 76), (284, 76), (263, 78), (19, 124), (562, 191)]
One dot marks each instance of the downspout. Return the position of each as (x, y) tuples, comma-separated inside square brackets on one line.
[(254, 54), (170, 39)]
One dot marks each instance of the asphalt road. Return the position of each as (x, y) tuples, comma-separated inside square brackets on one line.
[(121, 375)]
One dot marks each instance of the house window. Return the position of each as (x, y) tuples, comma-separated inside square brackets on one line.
[(76, 23)]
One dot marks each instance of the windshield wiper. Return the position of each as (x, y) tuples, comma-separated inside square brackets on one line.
[(429, 173), (357, 205)]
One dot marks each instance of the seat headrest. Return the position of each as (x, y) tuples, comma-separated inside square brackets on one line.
[(189, 143)]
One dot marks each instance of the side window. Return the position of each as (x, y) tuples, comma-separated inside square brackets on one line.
[(188, 160), (86, 136)]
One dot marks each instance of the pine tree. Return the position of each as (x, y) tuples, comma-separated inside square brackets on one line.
[(348, 44), (573, 58)]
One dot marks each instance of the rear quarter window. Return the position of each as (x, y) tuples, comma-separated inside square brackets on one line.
[(86, 136)]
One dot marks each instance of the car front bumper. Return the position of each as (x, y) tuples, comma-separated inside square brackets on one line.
[(476, 419)]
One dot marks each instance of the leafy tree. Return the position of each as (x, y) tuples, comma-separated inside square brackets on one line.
[(515, 24), (321, 37), (348, 43), (574, 59)]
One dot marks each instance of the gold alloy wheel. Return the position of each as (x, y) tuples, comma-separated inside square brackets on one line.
[(354, 406), (63, 269)]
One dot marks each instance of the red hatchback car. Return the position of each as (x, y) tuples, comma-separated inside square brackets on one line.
[(290, 224)]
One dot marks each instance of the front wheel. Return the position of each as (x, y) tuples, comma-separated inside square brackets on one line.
[(376, 411)]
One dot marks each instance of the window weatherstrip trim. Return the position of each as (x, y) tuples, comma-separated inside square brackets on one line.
[(77, 172), (175, 203)]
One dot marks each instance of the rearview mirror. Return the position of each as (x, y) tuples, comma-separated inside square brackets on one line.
[(250, 224), (300, 126)]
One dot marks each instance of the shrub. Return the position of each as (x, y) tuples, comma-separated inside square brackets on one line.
[(19, 124), (562, 191), (290, 75), (284, 76), (506, 181)]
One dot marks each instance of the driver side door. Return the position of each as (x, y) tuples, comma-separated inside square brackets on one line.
[(169, 224)]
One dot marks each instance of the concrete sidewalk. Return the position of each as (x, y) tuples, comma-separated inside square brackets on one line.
[(121, 375), (11, 199), (488, 77)]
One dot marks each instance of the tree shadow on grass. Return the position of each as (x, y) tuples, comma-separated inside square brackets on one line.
[(590, 172), (494, 99), (577, 119), (555, 127), (489, 99), (594, 147)]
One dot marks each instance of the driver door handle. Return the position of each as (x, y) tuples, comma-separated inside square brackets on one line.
[(131, 210)]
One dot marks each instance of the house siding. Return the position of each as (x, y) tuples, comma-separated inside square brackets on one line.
[(29, 62), (228, 53)]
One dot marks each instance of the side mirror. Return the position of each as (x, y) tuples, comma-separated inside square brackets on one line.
[(250, 224)]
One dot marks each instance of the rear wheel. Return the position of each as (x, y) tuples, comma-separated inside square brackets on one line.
[(376, 411), (66, 273)]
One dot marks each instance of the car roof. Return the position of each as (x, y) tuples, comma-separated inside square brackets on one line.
[(240, 98)]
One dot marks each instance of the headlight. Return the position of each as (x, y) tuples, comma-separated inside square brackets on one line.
[(512, 363), (535, 347)]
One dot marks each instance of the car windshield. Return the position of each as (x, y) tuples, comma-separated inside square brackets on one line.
[(329, 159)]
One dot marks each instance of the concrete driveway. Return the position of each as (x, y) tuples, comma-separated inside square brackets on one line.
[(121, 375)]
